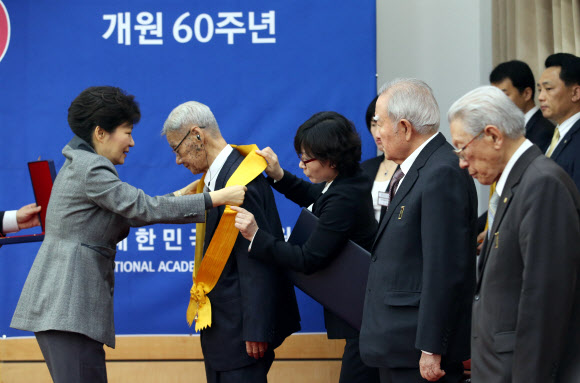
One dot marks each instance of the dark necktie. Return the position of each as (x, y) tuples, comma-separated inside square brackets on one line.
[(395, 180)]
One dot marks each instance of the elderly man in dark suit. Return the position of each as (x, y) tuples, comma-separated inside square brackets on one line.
[(417, 312), (526, 309), (253, 305), (26, 217), (559, 98)]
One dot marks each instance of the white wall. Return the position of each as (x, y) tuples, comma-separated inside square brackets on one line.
[(446, 43)]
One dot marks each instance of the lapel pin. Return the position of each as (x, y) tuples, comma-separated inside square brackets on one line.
[(505, 200), (401, 212)]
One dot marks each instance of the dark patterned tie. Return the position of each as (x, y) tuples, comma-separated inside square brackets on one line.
[(395, 180)]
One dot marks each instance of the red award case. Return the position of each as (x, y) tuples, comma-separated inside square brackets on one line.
[(42, 175)]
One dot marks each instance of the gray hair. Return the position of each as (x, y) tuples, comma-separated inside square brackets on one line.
[(487, 105), (188, 114), (413, 100)]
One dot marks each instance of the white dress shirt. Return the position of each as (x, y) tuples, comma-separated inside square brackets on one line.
[(510, 164), (216, 167), (406, 165), (9, 222)]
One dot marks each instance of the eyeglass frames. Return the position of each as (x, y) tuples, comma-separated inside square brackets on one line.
[(460, 151)]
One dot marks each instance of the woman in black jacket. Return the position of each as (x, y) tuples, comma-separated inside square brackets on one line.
[(329, 150)]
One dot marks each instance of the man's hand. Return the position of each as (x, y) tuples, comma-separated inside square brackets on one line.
[(480, 238), (256, 349), (245, 222), (430, 367), (27, 216)]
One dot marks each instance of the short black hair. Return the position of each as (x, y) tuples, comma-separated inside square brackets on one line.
[(518, 72), (329, 136), (569, 67), (104, 106), (371, 112)]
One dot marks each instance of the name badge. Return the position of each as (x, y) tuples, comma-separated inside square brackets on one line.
[(384, 199)]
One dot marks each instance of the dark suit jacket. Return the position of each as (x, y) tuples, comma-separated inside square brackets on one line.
[(422, 271), (540, 130), (567, 153), (345, 212), (371, 166), (526, 312), (252, 301)]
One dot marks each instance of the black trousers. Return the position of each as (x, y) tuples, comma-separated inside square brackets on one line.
[(453, 374), (353, 370), (72, 357), (253, 373)]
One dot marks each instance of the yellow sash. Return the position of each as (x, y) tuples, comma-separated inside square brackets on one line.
[(207, 271)]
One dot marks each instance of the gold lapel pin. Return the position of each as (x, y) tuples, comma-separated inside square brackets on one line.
[(401, 212)]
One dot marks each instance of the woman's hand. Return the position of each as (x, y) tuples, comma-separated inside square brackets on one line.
[(273, 169), (231, 195), (189, 189), (245, 222)]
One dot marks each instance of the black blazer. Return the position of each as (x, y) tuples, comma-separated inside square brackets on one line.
[(540, 130), (567, 153), (526, 310), (252, 301), (370, 167), (422, 271), (344, 212)]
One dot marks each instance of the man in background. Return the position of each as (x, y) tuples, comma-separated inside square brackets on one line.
[(559, 97), (516, 80)]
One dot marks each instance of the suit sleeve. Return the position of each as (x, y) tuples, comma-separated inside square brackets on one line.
[(329, 236), (549, 237), (448, 248), (1, 222), (258, 280), (104, 188), (297, 190)]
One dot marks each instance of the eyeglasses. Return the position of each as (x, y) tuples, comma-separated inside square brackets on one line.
[(181, 142), (303, 160), (460, 151)]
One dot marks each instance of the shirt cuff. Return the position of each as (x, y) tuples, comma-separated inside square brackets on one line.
[(9, 223), (252, 241), (426, 352), (208, 201)]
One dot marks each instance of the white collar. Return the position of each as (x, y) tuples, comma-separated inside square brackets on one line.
[(529, 114), (567, 125), (216, 167), (510, 164), (406, 165)]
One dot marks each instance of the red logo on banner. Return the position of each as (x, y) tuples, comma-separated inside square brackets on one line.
[(4, 30)]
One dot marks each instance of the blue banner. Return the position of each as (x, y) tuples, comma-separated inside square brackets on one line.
[(263, 67)]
